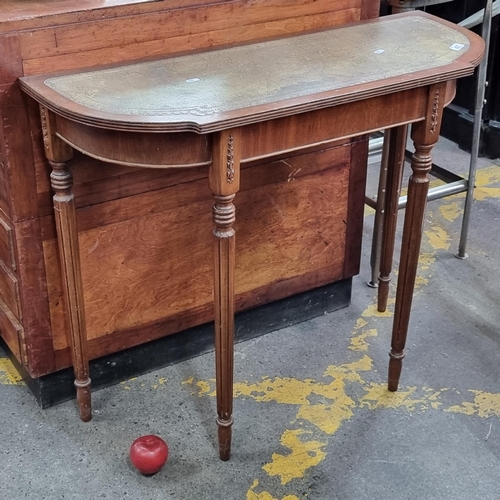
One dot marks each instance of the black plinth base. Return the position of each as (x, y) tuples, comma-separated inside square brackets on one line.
[(58, 387)]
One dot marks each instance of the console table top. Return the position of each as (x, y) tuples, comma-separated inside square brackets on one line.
[(223, 88)]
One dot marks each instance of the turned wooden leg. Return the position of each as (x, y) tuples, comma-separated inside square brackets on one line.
[(424, 135), (59, 154), (396, 156), (224, 182), (67, 237)]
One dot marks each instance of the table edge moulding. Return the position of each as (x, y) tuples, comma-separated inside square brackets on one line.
[(204, 109)]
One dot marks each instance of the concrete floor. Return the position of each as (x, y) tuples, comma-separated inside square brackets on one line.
[(312, 416)]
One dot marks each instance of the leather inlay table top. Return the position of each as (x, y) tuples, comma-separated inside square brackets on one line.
[(207, 91)]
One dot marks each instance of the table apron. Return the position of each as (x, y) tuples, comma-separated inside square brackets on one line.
[(259, 140)]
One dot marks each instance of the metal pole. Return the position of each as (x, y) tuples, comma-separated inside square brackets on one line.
[(476, 133)]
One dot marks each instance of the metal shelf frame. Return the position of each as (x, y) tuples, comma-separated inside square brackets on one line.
[(454, 184)]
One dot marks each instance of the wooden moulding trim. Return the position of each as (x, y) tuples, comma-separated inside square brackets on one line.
[(258, 158), (241, 117), (129, 338), (283, 152)]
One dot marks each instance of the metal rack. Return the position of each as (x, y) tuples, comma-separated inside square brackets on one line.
[(454, 184)]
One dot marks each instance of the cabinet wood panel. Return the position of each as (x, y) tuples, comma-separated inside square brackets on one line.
[(125, 288)]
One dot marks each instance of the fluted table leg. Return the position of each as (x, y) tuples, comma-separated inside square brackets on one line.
[(396, 156), (59, 155), (424, 134), (224, 183)]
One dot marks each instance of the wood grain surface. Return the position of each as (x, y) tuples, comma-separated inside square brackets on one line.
[(270, 213)]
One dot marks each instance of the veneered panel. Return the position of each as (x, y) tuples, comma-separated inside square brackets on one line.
[(145, 269)]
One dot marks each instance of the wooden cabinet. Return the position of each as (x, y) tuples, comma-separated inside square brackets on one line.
[(145, 247)]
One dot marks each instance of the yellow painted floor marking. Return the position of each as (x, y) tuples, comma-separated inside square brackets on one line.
[(425, 260), (451, 211), (252, 495), (483, 190), (161, 381), (484, 193), (484, 178), (485, 405), (378, 397), (281, 390), (127, 384), (371, 311), (302, 456), (439, 239), (8, 374), (360, 342)]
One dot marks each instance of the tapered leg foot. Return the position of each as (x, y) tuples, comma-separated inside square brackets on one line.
[(83, 397), (225, 433), (383, 293), (395, 367)]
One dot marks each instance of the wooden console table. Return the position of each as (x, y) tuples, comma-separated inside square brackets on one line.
[(228, 106)]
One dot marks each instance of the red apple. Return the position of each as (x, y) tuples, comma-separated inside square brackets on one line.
[(148, 454)]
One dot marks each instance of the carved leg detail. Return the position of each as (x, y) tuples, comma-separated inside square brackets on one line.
[(412, 235), (224, 179), (424, 135), (397, 147), (224, 238), (67, 236)]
